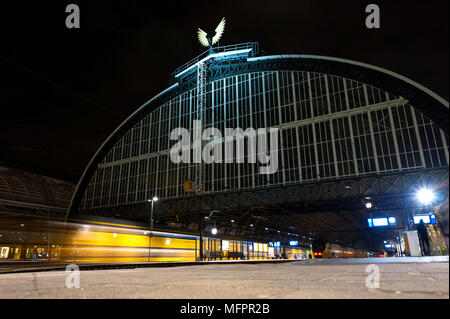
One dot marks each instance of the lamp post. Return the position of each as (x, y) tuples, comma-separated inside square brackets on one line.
[(154, 199)]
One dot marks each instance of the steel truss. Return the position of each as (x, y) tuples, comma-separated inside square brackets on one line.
[(327, 194)]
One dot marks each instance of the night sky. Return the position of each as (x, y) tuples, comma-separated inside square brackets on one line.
[(63, 91)]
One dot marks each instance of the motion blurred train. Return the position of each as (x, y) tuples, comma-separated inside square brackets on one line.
[(94, 241), (329, 250), (98, 240)]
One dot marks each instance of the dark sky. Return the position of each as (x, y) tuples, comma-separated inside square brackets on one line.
[(63, 91)]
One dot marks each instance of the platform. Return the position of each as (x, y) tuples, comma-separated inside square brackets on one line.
[(326, 278)]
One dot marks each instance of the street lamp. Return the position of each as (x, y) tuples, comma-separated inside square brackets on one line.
[(214, 231), (154, 199), (368, 205)]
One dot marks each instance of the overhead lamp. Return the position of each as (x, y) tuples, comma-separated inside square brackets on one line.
[(425, 196)]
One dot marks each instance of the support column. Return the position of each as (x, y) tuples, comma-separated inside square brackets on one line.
[(201, 237)]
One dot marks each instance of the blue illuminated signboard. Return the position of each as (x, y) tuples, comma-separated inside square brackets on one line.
[(293, 243), (427, 219), (381, 221)]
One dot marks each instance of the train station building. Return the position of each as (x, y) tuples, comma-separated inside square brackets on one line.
[(356, 142)]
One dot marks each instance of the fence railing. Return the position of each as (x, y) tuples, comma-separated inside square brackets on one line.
[(234, 47)]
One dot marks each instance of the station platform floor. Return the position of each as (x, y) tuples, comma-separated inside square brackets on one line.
[(399, 278)]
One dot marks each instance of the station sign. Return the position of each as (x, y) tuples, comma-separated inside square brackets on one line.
[(274, 244), (427, 219), (271, 252), (225, 245), (381, 221)]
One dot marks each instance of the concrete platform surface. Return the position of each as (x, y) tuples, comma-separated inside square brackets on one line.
[(302, 279), (34, 266)]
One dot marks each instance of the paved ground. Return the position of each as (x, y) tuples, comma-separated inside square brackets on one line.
[(420, 278)]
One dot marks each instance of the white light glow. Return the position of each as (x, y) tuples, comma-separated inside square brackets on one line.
[(380, 221), (214, 231), (425, 196), (368, 205)]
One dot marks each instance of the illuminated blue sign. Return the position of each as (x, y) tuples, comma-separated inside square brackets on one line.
[(293, 243), (381, 221), (427, 219)]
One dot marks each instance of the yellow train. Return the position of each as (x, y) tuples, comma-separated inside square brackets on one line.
[(93, 241), (336, 251)]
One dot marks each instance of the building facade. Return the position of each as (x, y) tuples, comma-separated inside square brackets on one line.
[(330, 127)]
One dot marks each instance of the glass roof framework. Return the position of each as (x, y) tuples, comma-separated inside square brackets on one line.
[(330, 127)]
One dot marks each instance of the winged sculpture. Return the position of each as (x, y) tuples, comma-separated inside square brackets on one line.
[(206, 39)]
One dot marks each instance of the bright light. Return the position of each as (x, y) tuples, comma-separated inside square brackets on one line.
[(368, 205), (425, 196), (114, 235), (380, 221), (232, 220), (251, 225), (167, 241), (214, 231), (155, 199)]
